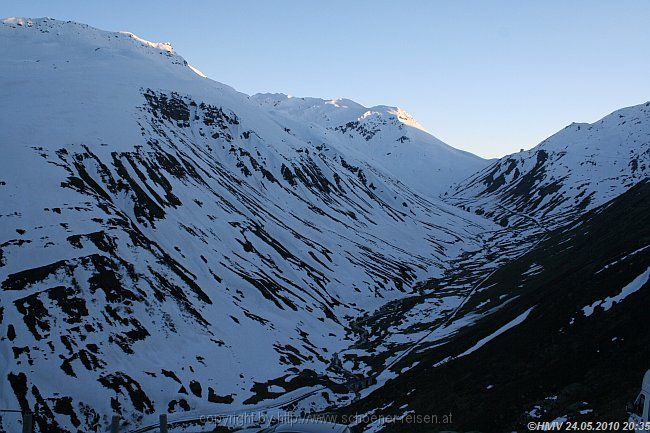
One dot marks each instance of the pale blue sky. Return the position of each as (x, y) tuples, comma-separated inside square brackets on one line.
[(490, 77)]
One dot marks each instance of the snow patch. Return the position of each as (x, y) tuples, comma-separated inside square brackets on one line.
[(626, 291), (482, 342)]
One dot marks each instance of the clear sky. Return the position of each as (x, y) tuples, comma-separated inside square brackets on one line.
[(490, 77)]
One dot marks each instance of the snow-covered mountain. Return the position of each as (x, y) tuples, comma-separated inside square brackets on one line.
[(169, 245), (578, 168), (387, 137)]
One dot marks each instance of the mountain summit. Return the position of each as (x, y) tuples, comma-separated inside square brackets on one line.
[(387, 137)]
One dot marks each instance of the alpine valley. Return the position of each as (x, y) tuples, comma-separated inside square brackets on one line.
[(170, 245)]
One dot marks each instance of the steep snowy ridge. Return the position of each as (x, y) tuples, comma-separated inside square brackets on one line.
[(388, 138), (577, 169), (161, 234)]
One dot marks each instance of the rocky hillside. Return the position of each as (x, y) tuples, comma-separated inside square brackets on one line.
[(559, 333)]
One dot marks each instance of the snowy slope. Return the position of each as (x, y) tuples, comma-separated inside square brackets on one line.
[(577, 169), (168, 245), (387, 137)]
